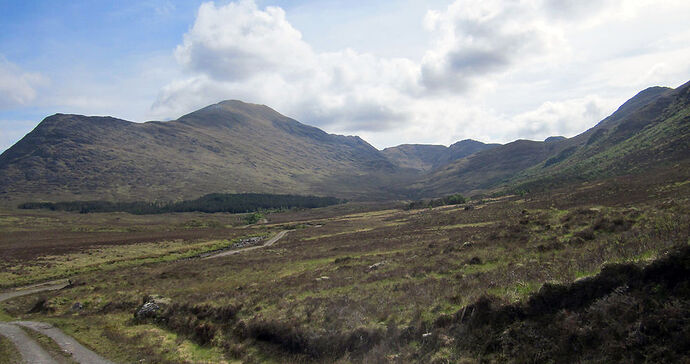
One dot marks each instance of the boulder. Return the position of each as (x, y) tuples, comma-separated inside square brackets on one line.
[(77, 306), (152, 305), (376, 266)]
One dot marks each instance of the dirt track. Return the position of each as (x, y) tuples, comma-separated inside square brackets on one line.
[(41, 287), (268, 243), (79, 352), (31, 351)]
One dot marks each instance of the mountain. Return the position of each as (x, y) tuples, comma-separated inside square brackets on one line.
[(425, 157), (227, 147), (234, 147), (552, 139), (651, 129)]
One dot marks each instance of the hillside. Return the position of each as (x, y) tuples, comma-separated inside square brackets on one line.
[(425, 157), (650, 128), (235, 147), (228, 147)]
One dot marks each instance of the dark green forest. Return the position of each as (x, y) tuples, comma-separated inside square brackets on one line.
[(215, 202)]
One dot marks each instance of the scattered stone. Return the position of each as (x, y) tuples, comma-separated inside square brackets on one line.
[(247, 242), (147, 310), (77, 306), (153, 304), (376, 266)]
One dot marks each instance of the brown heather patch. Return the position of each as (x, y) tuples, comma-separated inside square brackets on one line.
[(369, 287)]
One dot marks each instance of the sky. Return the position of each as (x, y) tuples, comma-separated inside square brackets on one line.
[(390, 71)]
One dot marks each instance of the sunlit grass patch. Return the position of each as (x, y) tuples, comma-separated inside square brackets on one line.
[(105, 258), (116, 338), (464, 226)]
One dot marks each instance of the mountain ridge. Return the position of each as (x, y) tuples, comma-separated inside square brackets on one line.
[(236, 147)]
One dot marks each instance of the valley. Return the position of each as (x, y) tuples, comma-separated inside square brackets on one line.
[(353, 282), (236, 234)]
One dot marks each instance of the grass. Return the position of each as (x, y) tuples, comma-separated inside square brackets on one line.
[(107, 334), (104, 258), (379, 272), (462, 226), (8, 353)]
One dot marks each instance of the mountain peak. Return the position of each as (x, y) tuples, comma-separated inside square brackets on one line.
[(552, 139), (230, 113)]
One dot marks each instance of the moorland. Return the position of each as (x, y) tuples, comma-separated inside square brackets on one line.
[(551, 276), (563, 250)]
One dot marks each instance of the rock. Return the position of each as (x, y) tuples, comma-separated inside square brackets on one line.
[(77, 306), (248, 242), (467, 244), (376, 266), (147, 310), (152, 305)]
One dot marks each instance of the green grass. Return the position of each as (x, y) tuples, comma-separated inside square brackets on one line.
[(105, 258), (426, 274), (144, 342), (8, 353)]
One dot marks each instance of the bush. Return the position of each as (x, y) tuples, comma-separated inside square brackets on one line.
[(454, 199), (253, 218)]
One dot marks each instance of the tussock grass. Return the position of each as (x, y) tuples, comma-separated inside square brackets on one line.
[(387, 278)]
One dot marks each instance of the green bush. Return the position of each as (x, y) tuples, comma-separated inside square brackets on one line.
[(253, 218), (454, 199)]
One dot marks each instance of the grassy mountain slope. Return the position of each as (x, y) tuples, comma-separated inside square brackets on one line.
[(649, 128), (228, 147), (654, 134), (235, 147)]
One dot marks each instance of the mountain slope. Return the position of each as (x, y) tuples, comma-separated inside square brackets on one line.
[(648, 128), (653, 135), (228, 147), (425, 157), (234, 147)]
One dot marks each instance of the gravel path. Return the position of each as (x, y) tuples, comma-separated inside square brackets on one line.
[(23, 291), (78, 351), (30, 350), (270, 242)]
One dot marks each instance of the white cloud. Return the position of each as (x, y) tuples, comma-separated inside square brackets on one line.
[(18, 87), (476, 38), (237, 41), (484, 56), (567, 118)]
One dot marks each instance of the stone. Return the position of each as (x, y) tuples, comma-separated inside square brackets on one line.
[(152, 305), (77, 306), (147, 310), (376, 266)]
